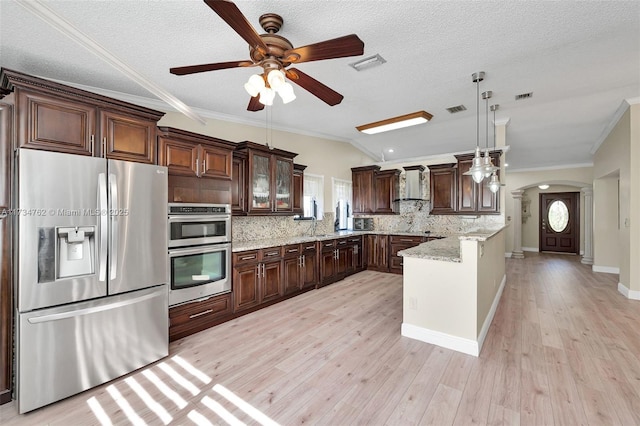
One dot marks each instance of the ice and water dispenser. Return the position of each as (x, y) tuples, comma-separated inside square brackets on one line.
[(65, 252)]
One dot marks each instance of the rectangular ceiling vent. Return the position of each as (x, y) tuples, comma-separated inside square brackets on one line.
[(366, 63), (524, 96), (457, 108)]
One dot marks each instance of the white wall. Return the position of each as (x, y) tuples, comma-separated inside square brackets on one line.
[(606, 249)]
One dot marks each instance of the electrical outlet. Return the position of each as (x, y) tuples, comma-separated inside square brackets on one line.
[(413, 303)]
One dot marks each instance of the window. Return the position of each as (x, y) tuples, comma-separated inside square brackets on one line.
[(342, 194), (313, 195)]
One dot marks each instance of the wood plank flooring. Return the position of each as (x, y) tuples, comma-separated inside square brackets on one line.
[(563, 349)]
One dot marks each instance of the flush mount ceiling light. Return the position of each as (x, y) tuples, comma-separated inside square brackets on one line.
[(395, 123), (543, 186)]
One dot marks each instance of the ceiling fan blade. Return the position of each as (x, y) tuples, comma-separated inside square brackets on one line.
[(254, 104), (230, 13), (314, 87), (192, 69), (340, 47)]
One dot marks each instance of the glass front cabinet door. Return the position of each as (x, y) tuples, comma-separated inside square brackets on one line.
[(284, 172), (261, 183)]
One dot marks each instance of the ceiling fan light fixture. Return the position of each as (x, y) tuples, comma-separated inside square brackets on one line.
[(394, 123), (276, 79), (254, 85), (266, 96), (286, 93)]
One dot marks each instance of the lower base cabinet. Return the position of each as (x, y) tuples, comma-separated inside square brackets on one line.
[(397, 243), (257, 277), (196, 316)]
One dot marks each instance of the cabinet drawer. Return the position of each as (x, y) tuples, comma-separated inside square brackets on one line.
[(271, 253), (292, 250), (308, 247), (406, 239), (355, 240), (201, 311), (329, 244), (249, 256), (342, 242)]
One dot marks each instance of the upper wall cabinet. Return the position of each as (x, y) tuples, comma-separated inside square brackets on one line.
[(453, 192), (476, 197), (55, 117), (443, 178), (374, 190), (298, 188), (200, 167), (269, 183)]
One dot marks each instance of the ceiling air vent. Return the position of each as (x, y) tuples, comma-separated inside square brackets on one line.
[(457, 108), (369, 62), (524, 96)]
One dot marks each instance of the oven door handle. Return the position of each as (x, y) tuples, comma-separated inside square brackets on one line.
[(207, 218), (200, 249)]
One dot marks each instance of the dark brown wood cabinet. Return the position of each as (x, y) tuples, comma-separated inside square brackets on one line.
[(269, 184), (56, 117), (377, 252), (374, 190), (300, 270), (475, 197), (196, 316), (6, 294), (238, 184), (257, 277), (328, 263), (443, 179), (358, 254), (401, 242), (200, 167), (298, 189)]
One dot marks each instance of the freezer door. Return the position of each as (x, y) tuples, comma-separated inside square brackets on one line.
[(60, 241), (138, 240), (66, 350)]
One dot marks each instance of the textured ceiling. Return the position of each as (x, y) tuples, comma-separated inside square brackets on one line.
[(581, 60)]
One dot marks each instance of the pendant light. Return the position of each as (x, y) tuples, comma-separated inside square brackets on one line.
[(487, 165), (494, 182), (476, 170)]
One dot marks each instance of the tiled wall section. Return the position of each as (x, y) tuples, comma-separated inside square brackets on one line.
[(244, 228), (414, 217)]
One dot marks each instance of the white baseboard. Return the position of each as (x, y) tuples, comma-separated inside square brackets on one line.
[(492, 312), (448, 341), (460, 344), (534, 249), (508, 254), (605, 269), (629, 294)]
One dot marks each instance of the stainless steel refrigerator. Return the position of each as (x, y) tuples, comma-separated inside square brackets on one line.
[(92, 272)]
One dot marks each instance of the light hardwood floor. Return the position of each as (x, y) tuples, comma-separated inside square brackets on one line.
[(563, 349)]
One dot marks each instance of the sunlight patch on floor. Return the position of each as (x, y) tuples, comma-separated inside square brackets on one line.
[(166, 390), (249, 409), (99, 412), (148, 399), (185, 383), (125, 406), (191, 369), (222, 412)]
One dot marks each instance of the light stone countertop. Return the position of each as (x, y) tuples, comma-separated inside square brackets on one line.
[(238, 246), (448, 249)]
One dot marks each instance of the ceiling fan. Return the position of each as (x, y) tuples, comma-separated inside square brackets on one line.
[(274, 52)]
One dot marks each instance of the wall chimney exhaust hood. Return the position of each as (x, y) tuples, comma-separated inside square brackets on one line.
[(413, 184)]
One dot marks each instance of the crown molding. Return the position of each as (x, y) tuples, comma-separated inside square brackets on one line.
[(556, 167), (624, 105), (39, 9)]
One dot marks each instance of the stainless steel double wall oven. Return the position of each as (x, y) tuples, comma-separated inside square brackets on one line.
[(199, 251)]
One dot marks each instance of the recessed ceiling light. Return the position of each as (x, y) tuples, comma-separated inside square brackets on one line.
[(543, 186), (395, 123), (506, 164), (390, 150)]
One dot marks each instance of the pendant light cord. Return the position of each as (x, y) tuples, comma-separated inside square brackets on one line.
[(478, 111)]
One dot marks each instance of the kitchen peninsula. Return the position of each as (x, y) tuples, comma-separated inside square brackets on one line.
[(451, 289)]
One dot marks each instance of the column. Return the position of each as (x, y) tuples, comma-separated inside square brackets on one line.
[(517, 224), (587, 257)]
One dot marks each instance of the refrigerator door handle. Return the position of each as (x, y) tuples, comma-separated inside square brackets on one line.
[(113, 214), (102, 209), (92, 310)]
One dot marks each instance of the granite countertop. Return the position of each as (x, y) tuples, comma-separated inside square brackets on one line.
[(448, 249), (238, 246)]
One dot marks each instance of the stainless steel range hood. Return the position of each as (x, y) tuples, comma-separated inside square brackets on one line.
[(413, 184)]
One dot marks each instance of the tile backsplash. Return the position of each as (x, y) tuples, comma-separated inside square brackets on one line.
[(414, 217)]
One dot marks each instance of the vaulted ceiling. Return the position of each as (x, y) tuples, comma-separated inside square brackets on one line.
[(580, 60)]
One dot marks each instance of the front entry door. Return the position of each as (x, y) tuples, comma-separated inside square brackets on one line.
[(560, 222)]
